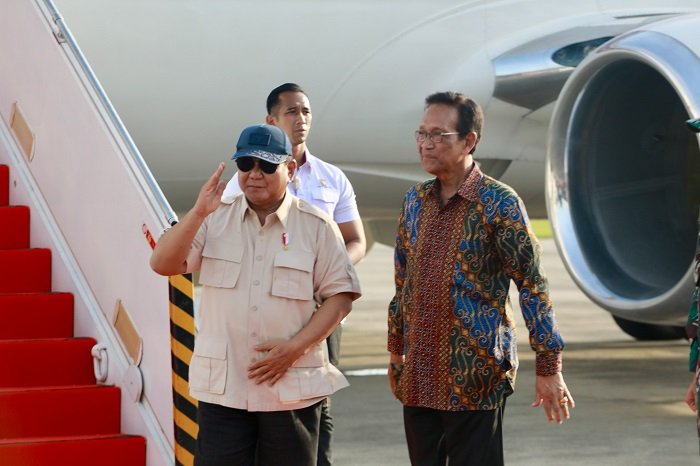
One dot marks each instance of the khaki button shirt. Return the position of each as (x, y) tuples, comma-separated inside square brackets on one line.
[(261, 283)]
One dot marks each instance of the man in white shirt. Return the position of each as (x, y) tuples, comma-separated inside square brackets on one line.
[(320, 184)]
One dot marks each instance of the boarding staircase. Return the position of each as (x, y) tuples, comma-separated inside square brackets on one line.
[(52, 411)]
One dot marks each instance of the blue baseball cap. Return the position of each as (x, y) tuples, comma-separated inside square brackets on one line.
[(265, 142)]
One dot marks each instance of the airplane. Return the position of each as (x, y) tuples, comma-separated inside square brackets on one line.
[(585, 107), (590, 116)]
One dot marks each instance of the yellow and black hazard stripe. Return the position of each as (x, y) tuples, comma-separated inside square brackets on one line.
[(182, 345), (181, 290)]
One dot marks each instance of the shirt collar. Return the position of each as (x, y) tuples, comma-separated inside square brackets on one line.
[(469, 189), (309, 155), (245, 207), (282, 211), (308, 160)]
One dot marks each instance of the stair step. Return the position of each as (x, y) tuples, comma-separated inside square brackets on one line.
[(25, 270), (36, 315), (59, 411), (46, 363), (51, 410), (14, 233), (103, 450), (4, 185)]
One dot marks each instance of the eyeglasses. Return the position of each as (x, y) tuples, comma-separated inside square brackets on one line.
[(435, 136), (246, 164)]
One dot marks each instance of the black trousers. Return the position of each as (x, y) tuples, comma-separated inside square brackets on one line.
[(236, 437), (463, 438), (325, 436)]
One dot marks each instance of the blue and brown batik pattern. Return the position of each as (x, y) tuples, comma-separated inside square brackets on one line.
[(450, 315)]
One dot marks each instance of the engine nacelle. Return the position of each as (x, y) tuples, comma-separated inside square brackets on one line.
[(623, 172)]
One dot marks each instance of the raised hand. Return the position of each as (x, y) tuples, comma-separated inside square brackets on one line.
[(209, 197)]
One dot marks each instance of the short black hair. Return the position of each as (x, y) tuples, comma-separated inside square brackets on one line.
[(274, 98), (470, 116)]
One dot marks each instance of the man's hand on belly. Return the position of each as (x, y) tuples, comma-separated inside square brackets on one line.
[(280, 356)]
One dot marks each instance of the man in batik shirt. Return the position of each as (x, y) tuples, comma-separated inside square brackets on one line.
[(462, 237)]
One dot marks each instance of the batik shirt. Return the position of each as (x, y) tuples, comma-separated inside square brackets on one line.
[(451, 316)]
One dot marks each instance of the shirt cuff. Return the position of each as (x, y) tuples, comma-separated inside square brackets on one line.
[(548, 363)]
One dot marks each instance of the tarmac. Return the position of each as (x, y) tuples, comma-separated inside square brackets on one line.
[(629, 394)]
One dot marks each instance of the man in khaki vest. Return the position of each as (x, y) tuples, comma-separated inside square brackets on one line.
[(260, 366)]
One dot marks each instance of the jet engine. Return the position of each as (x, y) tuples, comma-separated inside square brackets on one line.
[(623, 175)]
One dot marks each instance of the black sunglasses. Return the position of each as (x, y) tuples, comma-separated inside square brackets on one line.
[(246, 164)]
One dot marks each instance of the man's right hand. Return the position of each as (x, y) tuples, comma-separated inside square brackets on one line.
[(170, 255), (209, 198)]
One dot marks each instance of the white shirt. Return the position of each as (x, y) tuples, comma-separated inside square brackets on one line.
[(320, 184)]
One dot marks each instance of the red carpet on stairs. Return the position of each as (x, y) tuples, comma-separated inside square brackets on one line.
[(52, 412)]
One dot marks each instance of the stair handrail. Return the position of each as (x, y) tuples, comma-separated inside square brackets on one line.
[(151, 189)]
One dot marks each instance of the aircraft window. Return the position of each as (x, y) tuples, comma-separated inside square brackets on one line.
[(573, 54)]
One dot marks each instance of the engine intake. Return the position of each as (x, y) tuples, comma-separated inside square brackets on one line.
[(623, 175)]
